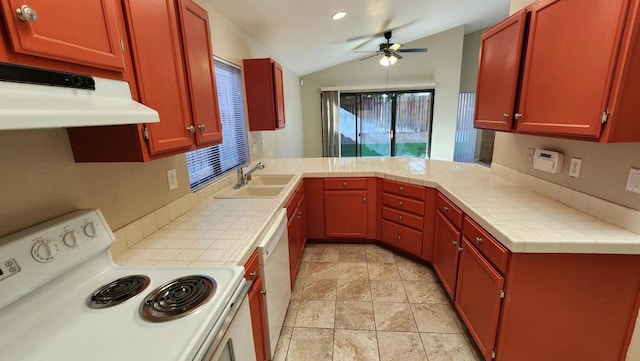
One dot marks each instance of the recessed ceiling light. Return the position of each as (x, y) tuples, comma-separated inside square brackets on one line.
[(339, 15)]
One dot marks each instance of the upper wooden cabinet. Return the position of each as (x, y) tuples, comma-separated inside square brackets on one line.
[(576, 81), (84, 32), (263, 82), (171, 46)]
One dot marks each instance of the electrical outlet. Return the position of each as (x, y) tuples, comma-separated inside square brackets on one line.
[(633, 182), (530, 152), (574, 167), (172, 179), (254, 146)]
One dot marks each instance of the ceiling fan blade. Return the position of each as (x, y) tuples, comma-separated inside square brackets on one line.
[(369, 56), (364, 43), (396, 55), (395, 47), (415, 50)]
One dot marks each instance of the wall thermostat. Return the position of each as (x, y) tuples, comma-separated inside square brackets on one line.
[(547, 161)]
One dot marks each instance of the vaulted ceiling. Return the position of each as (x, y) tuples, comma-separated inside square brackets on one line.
[(302, 35)]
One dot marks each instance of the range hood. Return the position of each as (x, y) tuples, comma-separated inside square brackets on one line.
[(33, 98)]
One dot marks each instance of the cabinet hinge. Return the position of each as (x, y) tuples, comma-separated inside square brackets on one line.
[(493, 354), (145, 132), (605, 117), (502, 293), (122, 45)]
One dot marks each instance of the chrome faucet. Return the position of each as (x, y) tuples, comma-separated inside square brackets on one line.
[(243, 177)]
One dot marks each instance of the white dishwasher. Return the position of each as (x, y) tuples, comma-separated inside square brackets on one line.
[(273, 253)]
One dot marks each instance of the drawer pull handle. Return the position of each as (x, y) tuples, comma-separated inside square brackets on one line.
[(253, 275), (479, 240), (27, 13), (344, 184), (401, 189), (399, 237), (263, 292), (399, 217), (455, 243), (445, 208), (400, 204)]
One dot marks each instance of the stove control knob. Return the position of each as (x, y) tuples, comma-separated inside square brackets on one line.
[(44, 251), (90, 229), (71, 239)]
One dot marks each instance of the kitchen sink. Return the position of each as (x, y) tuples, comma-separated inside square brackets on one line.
[(271, 180), (252, 191)]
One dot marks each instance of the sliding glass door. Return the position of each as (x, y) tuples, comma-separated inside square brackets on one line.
[(386, 124)]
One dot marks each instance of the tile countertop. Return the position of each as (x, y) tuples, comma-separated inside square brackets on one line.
[(226, 231)]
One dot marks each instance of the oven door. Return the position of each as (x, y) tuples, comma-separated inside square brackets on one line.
[(235, 341)]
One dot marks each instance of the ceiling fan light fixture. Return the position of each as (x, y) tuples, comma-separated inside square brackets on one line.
[(339, 15), (388, 60)]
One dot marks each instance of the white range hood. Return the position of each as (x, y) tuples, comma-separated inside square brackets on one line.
[(33, 106)]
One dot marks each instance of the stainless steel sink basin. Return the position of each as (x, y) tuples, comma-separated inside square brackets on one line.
[(251, 191), (270, 180)]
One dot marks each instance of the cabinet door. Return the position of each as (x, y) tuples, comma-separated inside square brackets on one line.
[(154, 32), (302, 225), (278, 89), (429, 230), (196, 41), (478, 297), (498, 73), (314, 207), (569, 64), (294, 250), (345, 214), (82, 32), (256, 307), (445, 258)]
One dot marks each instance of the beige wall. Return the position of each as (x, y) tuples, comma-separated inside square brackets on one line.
[(470, 52), (441, 64), (39, 179)]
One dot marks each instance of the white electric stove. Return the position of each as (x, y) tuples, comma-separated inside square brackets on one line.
[(53, 305)]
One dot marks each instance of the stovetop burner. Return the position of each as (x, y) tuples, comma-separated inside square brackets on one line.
[(177, 298), (118, 291)]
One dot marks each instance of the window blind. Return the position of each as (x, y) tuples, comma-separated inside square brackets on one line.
[(207, 164)]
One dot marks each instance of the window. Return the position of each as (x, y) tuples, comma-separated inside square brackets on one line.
[(386, 124), (209, 163)]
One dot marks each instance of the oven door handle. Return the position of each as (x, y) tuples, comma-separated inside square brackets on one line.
[(235, 303)]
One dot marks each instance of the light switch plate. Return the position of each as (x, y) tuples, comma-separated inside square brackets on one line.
[(574, 167), (633, 182), (172, 179)]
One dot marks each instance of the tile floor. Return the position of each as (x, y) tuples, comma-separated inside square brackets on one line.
[(365, 303)]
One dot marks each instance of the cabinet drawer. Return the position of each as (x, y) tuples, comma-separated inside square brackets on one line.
[(487, 245), (403, 189), (402, 237), (345, 183), (403, 203), (449, 210), (403, 218), (295, 198), (252, 267)]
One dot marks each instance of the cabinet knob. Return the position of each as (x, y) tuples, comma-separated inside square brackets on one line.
[(191, 129), (460, 249), (518, 116), (27, 13), (253, 275), (399, 217), (202, 127), (401, 188), (400, 204), (505, 115), (445, 208), (263, 292), (455, 243), (364, 199), (479, 240), (299, 215), (344, 184), (399, 237)]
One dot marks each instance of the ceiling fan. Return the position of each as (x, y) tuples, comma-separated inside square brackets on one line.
[(390, 51)]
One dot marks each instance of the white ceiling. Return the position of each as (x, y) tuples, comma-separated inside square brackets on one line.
[(301, 34)]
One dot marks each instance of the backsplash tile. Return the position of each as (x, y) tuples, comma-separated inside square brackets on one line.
[(607, 211)]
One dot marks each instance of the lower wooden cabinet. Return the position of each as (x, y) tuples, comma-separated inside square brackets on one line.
[(296, 230), (447, 253), (350, 208), (479, 292), (257, 307)]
